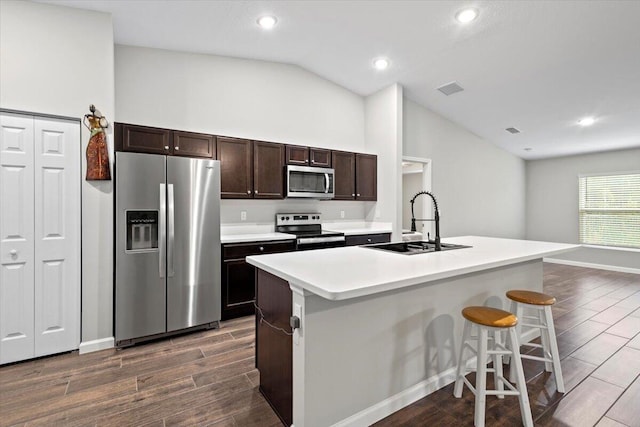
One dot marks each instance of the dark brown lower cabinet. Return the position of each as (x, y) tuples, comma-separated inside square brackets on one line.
[(274, 348), (239, 277), (368, 239)]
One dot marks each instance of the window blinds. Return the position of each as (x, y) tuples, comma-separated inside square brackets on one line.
[(609, 210)]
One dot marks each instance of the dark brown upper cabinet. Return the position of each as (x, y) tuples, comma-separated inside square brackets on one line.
[(297, 155), (306, 156), (144, 139), (366, 177), (236, 167), (320, 157), (344, 165), (250, 169), (194, 144), (356, 176), (268, 170)]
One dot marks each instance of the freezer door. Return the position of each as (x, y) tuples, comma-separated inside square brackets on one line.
[(140, 252), (193, 242)]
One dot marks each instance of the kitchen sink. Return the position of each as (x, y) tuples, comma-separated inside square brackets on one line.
[(413, 248)]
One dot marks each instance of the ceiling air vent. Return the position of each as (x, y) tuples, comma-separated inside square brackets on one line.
[(512, 130), (450, 88)]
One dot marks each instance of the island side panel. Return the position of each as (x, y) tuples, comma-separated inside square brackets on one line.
[(274, 347), (367, 357)]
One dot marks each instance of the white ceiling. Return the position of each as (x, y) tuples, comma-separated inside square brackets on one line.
[(538, 66)]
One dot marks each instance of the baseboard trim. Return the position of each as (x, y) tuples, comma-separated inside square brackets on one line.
[(96, 345), (416, 392), (592, 265)]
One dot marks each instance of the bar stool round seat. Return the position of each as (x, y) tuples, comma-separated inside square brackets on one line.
[(531, 297), (491, 323), (543, 320), (487, 316)]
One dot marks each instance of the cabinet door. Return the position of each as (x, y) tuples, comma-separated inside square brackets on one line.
[(238, 288), (16, 238), (297, 155), (194, 144), (268, 170), (57, 236), (366, 177), (320, 157), (142, 139), (236, 168), (344, 165)]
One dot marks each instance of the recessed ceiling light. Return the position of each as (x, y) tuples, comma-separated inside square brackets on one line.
[(381, 63), (528, 149), (466, 15), (587, 121), (267, 22)]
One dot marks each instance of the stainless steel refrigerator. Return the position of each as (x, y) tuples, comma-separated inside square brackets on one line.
[(167, 245)]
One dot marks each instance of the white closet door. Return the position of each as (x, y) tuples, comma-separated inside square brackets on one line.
[(16, 238), (57, 236)]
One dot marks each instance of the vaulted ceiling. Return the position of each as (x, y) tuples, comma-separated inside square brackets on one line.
[(538, 66)]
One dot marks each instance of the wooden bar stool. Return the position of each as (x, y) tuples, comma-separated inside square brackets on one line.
[(491, 321), (543, 321)]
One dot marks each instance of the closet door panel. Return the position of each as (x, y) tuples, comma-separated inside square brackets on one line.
[(16, 238), (57, 237)]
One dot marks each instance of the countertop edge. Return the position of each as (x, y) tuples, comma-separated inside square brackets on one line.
[(389, 286)]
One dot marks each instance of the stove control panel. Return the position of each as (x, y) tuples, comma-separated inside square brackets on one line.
[(297, 219)]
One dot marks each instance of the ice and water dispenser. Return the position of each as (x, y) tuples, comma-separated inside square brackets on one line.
[(142, 230)]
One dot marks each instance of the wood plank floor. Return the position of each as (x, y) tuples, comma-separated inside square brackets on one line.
[(208, 378), (597, 318)]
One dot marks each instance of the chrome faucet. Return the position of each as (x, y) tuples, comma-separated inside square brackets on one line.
[(436, 217)]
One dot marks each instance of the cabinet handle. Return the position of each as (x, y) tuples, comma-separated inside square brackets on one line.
[(248, 191), (166, 147), (353, 195), (368, 240), (313, 161), (176, 148), (358, 194), (13, 252), (256, 191), (261, 248)]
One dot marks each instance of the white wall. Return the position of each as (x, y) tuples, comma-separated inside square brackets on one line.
[(383, 135), (552, 202), (480, 188), (243, 98), (58, 60)]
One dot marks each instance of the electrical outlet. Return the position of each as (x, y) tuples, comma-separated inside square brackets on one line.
[(341, 214), (297, 312), (243, 215)]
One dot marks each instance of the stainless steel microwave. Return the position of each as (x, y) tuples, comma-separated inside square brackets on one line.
[(309, 182)]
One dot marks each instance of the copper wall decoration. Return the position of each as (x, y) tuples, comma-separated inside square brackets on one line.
[(97, 154)]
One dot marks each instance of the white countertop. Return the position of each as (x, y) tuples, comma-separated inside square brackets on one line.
[(355, 271), (235, 233), (358, 227)]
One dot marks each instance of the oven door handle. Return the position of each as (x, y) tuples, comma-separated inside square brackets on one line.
[(312, 240)]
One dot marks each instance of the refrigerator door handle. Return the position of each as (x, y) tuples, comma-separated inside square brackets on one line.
[(170, 230), (162, 243)]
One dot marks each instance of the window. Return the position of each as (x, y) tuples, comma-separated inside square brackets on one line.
[(610, 210)]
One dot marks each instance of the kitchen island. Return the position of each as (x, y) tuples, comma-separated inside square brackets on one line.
[(378, 330)]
